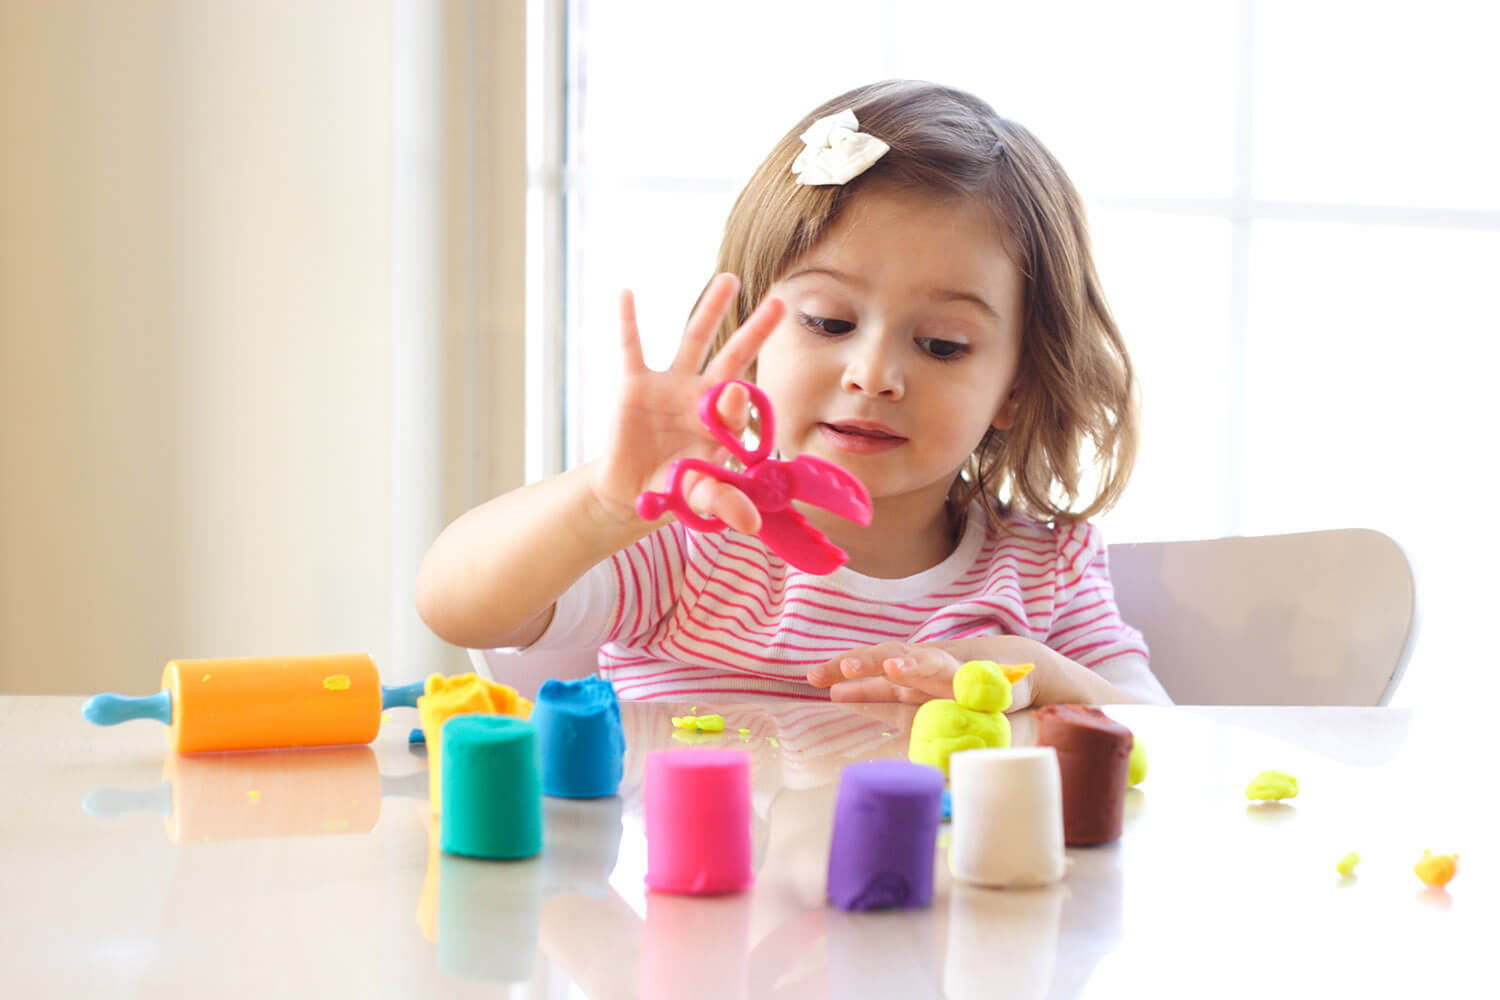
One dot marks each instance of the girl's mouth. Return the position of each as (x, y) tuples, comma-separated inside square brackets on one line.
[(861, 438)]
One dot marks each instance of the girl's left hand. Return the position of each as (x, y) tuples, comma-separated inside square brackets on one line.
[(916, 672)]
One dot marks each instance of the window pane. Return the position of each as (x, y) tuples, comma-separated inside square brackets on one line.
[(1127, 106), (1167, 279), (681, 88), (659, 245), (1133, 98), (1369, 378), (1377, 103)]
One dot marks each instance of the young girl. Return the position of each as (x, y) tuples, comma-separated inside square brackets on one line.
[(912, 287)]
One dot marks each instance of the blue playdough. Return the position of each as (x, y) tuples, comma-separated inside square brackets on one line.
[(580, 738), (947, 804)]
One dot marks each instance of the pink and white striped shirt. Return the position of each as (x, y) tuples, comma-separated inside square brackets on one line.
[(684, 615)]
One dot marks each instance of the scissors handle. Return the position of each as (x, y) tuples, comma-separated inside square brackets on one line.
[(708, 413), (652, 504)]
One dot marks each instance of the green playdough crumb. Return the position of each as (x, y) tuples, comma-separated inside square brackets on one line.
[(1137, 762), (1271, 785), (773, 741), (1347, 862), (700, 723)]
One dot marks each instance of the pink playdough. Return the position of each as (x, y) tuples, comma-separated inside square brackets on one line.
[(698, 821)]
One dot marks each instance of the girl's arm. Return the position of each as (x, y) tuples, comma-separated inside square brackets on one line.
[(493, 576)]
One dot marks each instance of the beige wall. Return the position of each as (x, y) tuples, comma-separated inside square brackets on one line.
[(196, 340)]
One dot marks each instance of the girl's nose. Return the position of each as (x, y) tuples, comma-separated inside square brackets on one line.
[(871, 369)]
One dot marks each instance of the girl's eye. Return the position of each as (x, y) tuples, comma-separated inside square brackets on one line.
[(943, 350), (830, 327)]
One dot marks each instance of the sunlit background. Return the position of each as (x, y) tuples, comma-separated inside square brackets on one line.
[(269, 271), (1295, 211)]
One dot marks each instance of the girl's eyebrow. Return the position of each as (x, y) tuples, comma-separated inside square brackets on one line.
[(936, 295)]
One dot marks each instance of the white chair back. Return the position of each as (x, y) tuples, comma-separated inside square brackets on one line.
[(1317, 618), (526, 671)]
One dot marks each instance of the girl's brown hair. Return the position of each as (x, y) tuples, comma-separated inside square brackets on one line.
[(1075, 383)]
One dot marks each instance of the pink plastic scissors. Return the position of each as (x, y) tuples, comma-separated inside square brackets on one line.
[(771, 485)]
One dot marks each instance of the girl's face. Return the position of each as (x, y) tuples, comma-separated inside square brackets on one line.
[(900, 344)]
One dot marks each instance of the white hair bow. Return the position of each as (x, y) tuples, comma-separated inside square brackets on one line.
[(835, 152)]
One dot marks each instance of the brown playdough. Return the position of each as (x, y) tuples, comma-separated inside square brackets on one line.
[(1093, 753)]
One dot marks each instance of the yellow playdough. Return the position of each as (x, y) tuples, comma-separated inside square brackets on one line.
[(1436, 869), (973, 721), (1347, 862), (1137, 763), (464, 694), (1271, 785), (338, 682), (699, 723), (982, 686)]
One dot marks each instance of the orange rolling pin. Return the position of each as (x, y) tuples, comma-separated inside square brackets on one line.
[(262, 702)]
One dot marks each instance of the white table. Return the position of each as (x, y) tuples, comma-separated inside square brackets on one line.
[(325, 883)]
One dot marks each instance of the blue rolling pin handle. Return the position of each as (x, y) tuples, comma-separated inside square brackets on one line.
[(404, 696), (113, 709)]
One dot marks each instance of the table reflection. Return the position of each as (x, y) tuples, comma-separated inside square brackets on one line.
[(256, 794)]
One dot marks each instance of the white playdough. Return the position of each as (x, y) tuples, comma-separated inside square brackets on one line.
[(1007, 817)]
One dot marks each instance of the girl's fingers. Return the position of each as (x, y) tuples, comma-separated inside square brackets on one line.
[(856, 663), (924, 668), (630, 335), (734, 409), (876, 689), (710, 497), (747, 341), (699, 332)]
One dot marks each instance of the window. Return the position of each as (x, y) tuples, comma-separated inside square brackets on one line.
[(1294, 212)]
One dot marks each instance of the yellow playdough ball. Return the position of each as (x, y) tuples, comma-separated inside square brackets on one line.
[(1137, 762), (1436, 869), (1271, 785), (942, 728), (1347, 862), (981, 685)]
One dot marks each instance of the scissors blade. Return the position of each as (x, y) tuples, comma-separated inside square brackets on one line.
[(788, 534), (825, 485)]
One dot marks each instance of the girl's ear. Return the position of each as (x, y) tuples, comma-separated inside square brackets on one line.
[(1005, 417)]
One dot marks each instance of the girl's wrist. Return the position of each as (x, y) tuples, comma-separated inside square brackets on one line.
[(612, 522), (1064, 682)]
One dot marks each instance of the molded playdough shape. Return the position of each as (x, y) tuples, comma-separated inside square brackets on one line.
[(698, 821), (972, 720), (1093, 752), (492, 787), (580, 737), (1007, 817), (884, 834), (463, 694)]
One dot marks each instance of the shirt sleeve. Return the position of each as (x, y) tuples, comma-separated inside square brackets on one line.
[(1087, 627), (624, 597)]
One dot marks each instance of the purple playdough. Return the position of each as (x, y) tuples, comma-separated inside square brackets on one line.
[(884, 835)]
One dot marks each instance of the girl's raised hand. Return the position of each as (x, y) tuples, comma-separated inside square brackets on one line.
[(657, 420)]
